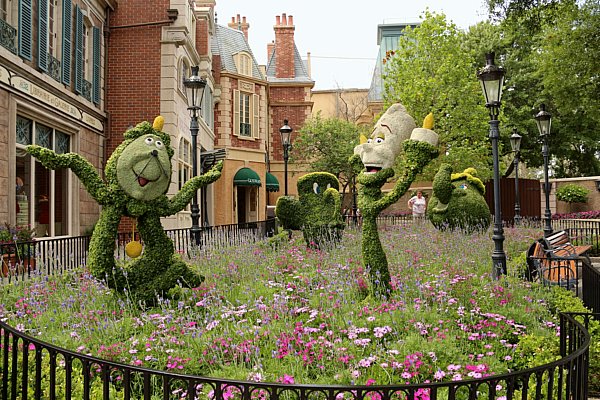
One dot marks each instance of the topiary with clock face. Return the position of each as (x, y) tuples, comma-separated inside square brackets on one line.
[(137, 177)]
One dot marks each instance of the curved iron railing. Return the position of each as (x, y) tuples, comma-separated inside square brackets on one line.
[(31, 368)]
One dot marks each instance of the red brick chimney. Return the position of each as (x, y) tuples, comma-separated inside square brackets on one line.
[(240, 25), (270, 48), (284, 46)]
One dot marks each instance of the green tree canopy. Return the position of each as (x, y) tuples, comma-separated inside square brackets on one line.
[(433, 71), (326, 144)]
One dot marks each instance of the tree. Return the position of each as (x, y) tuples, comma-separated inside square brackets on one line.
[(551, 55), (326, 144), (433, 71)]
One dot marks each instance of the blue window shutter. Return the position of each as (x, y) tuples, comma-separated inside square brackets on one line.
[(25, 29), (78, 50), (66, 41), (43, 35), (96, 62)]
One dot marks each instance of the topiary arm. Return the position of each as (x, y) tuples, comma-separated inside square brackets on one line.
[(84, 170), (417, 155), (289, 212), (333, 200), (184, 196), (356, 164)]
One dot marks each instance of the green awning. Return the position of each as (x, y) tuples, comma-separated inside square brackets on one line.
[(272, 183), (246, 177)]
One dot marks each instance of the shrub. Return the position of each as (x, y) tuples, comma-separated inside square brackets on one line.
[(572, 193)]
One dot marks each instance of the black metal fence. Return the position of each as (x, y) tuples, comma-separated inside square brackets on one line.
[(31, 368)]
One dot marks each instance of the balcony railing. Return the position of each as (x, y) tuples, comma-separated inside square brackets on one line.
[(86, 90), (8, 36), (54, 67), (245, 129)]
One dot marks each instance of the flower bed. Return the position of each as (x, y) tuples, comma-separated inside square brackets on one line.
[(294, 315)]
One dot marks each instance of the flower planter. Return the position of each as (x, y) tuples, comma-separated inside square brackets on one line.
[(11, 264)]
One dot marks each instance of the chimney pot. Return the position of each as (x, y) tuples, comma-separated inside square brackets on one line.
[(244, 20), (291, 20), (277, 20), (238, 18), (233, 19), (283, 19)]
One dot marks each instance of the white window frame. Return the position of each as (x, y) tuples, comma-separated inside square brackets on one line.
[(184, 163), (54, 25), (246, 110)]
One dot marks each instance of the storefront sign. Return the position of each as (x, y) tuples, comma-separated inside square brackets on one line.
[(56, 102)]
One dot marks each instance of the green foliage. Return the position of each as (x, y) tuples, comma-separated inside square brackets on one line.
[(551, 55), (572, 193), (317, 212), (135, 188), (325, 144), (433, 71), (458, 202), (372, 202)]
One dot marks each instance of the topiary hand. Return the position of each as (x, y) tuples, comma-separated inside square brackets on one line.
[(356, 164)]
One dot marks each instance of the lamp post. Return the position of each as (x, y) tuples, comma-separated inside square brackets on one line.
[(492, 79), (286, 142), (515, 144), (354, 205), (194, 86), (543, 119)]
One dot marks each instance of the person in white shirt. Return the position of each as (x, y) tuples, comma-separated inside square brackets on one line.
[(418, 204)]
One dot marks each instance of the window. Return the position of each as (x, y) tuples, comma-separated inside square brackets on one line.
[(184, 167), (245, 113), (243, 63), (48, 44), (183, 75), (43, 199), (207, 108)]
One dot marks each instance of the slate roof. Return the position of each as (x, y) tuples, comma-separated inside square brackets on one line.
[(299, 64), (229, 42)]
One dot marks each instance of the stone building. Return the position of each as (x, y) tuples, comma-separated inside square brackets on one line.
[(52, 93)]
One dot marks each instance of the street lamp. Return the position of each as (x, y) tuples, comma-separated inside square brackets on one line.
[(515, 144), (492, 79), (543, 119), (194, 86), (286, 142)]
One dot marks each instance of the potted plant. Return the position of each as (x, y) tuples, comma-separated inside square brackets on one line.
[(17, 247)]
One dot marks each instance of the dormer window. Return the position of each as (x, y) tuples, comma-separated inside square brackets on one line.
[(243, 63)]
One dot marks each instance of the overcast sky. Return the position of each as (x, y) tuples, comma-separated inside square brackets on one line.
[(341, 35)]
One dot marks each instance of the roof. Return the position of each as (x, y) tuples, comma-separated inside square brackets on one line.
[(388, 36), (301, 69), (229, 42)]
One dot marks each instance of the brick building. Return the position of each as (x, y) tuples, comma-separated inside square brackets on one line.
[(52, 79), (254, 101), (151, 49)]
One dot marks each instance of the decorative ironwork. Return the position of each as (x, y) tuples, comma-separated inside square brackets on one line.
[(54, 67), (8, 36), (86, 90), (26, 358), (24, 127), (62, 142), (42, 136)]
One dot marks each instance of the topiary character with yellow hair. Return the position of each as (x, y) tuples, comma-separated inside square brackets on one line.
[(458, 202), (137, 177)]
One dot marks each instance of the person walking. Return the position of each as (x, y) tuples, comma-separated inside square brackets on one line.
[(418, 204)]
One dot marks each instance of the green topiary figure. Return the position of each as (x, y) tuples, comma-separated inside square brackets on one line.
[(458, 202), (377, 154), (317, 212), (138, 174)]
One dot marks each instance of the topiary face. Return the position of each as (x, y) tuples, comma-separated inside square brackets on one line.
[(144, 168), (316, 183), (378, 152)]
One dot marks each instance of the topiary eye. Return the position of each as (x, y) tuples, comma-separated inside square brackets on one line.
[(316, 188), (463, 186), (159, 144), (379, 140), (329, 186), (149, 141), (369, 140)]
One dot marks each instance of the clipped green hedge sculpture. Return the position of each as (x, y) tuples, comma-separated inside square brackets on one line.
[(458, 202), (137, 177), (317, 211), (374, 160)]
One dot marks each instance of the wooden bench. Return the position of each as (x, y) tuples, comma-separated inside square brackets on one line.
[(553, 260)]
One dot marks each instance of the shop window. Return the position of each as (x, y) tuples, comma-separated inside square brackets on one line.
[(43, 198)]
